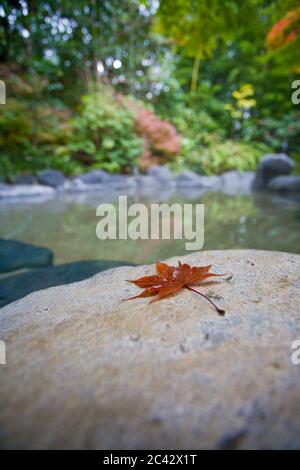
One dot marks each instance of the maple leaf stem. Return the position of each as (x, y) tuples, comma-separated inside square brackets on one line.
[(219, 310)]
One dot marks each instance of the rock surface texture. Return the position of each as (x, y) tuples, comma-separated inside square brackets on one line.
[(234, 182), (289, 184), (85, 370), (52, 178), (94, 177), (158, 179), (271, 166), (26, 179), (160, 173), (16, 191), (193, 180)]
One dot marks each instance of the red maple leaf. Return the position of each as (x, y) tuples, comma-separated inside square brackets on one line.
[(285, 30), (171, 279)]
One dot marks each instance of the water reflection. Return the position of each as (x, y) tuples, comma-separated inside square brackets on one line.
[(67, 225)]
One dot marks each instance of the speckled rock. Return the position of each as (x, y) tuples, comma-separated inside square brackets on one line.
[(85, 370), (161, 173), (25, 179), (53, 178), (288, 184), (94, 177), (235, 182), (271, 166), (193, 180), (19, 191)]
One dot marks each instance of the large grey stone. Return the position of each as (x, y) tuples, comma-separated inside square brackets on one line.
[(50, 177), (17, 191), (86, 370), (288, 184), (25, 179), (94, 177), (18, 255), (270, 166), (153, 189), (146, 181), (122, 181), (190, 179), (161, 173), (77, 186), (187, 178), (115, 183), (235, 182)]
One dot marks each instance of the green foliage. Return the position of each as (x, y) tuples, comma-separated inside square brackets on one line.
[(221, 156), (206, 151), (282, 134), (66, 40), (232, 155), (199, 130), (102, 134), (201, 65), (29, 136), (198, 26), (206, 148)]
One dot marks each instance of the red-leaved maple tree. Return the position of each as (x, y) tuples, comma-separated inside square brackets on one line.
[(285, 30)]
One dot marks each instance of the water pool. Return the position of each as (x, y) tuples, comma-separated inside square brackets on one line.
[(67, 225)]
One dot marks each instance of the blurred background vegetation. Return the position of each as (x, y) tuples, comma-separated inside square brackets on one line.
[(197, 84)]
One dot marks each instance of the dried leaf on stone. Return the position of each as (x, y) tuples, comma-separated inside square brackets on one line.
[(171, 279)]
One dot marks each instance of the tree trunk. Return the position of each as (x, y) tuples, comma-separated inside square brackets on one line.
[(4, 54), (195, 72)]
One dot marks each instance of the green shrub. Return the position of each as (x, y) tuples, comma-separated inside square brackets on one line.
[(205, 148), (282, 134), (232, 155), (29, 135), (198, 130), (102, 134)]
